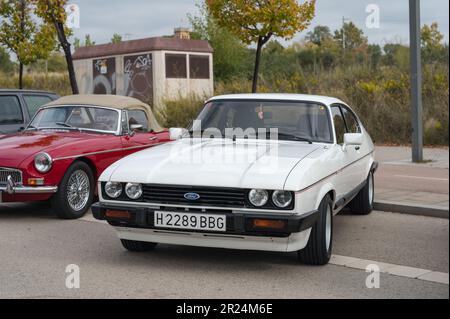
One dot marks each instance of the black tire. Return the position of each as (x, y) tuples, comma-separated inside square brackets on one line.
[(316, 251), (137, 246), (60, 202), (362, 204)]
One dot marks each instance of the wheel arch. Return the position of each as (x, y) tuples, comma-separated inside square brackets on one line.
[(326, 189), (93, 168)]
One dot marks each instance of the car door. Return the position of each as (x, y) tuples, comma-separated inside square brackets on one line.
[(11, 114), (340, 157), (357, 170), (134, 140)]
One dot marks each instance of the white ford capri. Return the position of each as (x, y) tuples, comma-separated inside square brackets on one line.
[(254, 171)]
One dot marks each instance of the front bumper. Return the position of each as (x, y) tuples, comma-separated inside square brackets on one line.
[(236, 223), (29, 189), (238, 235), (11, 188)]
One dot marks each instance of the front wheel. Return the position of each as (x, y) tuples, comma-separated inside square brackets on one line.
[(75, 193), (320, 242)]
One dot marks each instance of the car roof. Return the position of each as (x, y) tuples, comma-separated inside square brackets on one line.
[(110, 101), (26, 91), (105, 100), (280, 96)]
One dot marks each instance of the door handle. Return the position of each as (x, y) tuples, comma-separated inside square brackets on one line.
[(357, 148), (153, 138)]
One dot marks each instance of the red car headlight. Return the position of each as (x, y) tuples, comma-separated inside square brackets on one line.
[(43, 162)]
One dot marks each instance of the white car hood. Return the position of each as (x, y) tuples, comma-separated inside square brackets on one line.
[(212, 162)]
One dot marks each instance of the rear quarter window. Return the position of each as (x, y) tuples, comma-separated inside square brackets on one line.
[(10, 110)]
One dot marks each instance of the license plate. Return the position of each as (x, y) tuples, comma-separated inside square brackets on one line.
[(190, 221)]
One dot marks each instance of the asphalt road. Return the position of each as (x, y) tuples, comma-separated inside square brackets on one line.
[(35, 249)]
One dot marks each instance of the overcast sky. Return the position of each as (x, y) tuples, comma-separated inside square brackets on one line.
[(145, 18)]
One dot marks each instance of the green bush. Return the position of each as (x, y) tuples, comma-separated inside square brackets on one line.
[(179, 112)]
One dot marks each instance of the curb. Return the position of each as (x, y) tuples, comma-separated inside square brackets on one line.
[(407, 208)]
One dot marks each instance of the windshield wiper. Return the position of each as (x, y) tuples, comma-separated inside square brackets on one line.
[(294, 137), (68, 126), (64, 124)]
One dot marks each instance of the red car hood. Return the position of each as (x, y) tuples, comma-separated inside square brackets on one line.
[(15, 148)]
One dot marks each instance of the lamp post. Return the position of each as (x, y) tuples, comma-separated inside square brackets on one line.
[(416, 81)]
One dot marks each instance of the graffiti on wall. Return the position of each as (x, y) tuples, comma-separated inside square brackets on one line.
[(138, 77), (104, 76)]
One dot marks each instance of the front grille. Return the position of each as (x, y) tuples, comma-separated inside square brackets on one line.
[(209, 196), (15, 174)]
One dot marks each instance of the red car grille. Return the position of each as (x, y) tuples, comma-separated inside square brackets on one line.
[(16, 175)]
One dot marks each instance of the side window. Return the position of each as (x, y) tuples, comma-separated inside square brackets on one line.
[(138, 117), (339, 124), (34, 102), (10, 110), (351, 121)]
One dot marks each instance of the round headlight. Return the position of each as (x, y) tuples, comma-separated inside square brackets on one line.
[(43, 162), (113, 189), (258, 197), (282, 198), (133, 190)]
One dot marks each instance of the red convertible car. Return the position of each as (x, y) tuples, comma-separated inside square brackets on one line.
[(68, 144)]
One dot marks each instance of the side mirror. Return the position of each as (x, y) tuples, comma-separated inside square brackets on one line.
[(176, 133), (136, 127), (355, 139)]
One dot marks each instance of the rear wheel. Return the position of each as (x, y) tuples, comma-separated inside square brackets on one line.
[(137, 246), (320, 242), (362, 204), (75, 193)]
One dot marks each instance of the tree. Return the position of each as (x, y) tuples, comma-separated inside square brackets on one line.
[(88, 41), (53, 12), (257, 21), (231, 57), (319, 34), (116, 38), (432, 46), (27, 38), (6, 65), (350, 36)]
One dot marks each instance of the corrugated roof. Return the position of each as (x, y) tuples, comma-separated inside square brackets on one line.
[(142, 45)]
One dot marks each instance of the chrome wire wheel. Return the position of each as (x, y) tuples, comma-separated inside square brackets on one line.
[(328, 228), (78, 190), (371, 189)]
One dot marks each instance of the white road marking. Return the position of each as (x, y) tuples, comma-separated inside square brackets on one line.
[(392, 269), (423, 177), (361, 264)]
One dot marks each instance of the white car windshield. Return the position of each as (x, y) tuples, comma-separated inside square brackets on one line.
[(302, 121), (76, 117)]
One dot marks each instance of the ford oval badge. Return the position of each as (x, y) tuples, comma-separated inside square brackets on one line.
[(191, 196)]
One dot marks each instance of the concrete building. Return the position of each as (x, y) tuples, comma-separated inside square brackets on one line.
[(151, 69)]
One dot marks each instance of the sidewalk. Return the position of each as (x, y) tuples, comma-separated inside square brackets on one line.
[(401, 184)]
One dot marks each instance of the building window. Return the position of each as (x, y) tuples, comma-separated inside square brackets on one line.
[(199, 66), (176, 66)]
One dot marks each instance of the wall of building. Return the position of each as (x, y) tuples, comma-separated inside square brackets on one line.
[(172, 88), (134, 78)]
